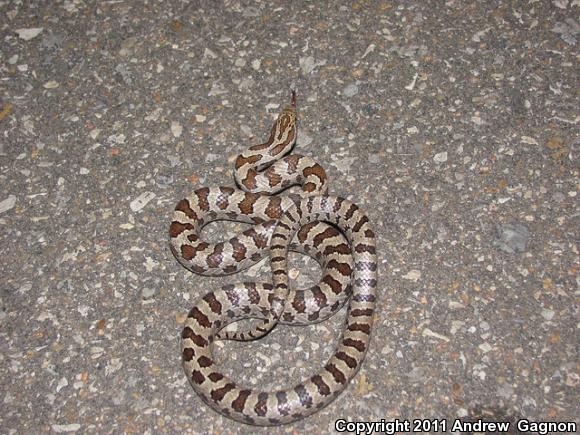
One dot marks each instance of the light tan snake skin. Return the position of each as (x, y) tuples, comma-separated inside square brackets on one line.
[(331, 229)]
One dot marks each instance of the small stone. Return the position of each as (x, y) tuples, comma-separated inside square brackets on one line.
[(150, 264), (529, 140), (216, 89), (164, 180), (210, 157), (28, 34), (7, 204), (141, 201), (207, 53), (119, 397), (343, 164), (369, 50), (364, 386), (485, 347), (148, 293), (125, 73), (440, 157), (429, 333), (548, 314), (454, 305), (567, 30), (572, 379), (456, 325), (113, 366), (307, 64), (51, 84), (512, 238), (94, 133), (65, 428), (413, 275), (477, 120), (562, 4), (478, 35), (176, 129), (61, 384), (411, 85), (350, 90)]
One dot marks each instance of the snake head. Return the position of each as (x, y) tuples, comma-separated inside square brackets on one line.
[(284, 129), (290, 109)]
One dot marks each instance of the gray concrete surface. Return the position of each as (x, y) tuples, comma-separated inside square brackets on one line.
[(454, 124)]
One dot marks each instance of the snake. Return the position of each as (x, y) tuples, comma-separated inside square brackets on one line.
[(331, 229)]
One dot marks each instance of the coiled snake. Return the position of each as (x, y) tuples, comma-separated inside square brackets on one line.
[(347, 257)]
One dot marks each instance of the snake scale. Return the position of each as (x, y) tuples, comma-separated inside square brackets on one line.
[(332, 230)]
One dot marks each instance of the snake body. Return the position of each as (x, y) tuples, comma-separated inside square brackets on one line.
[(331, 229)]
